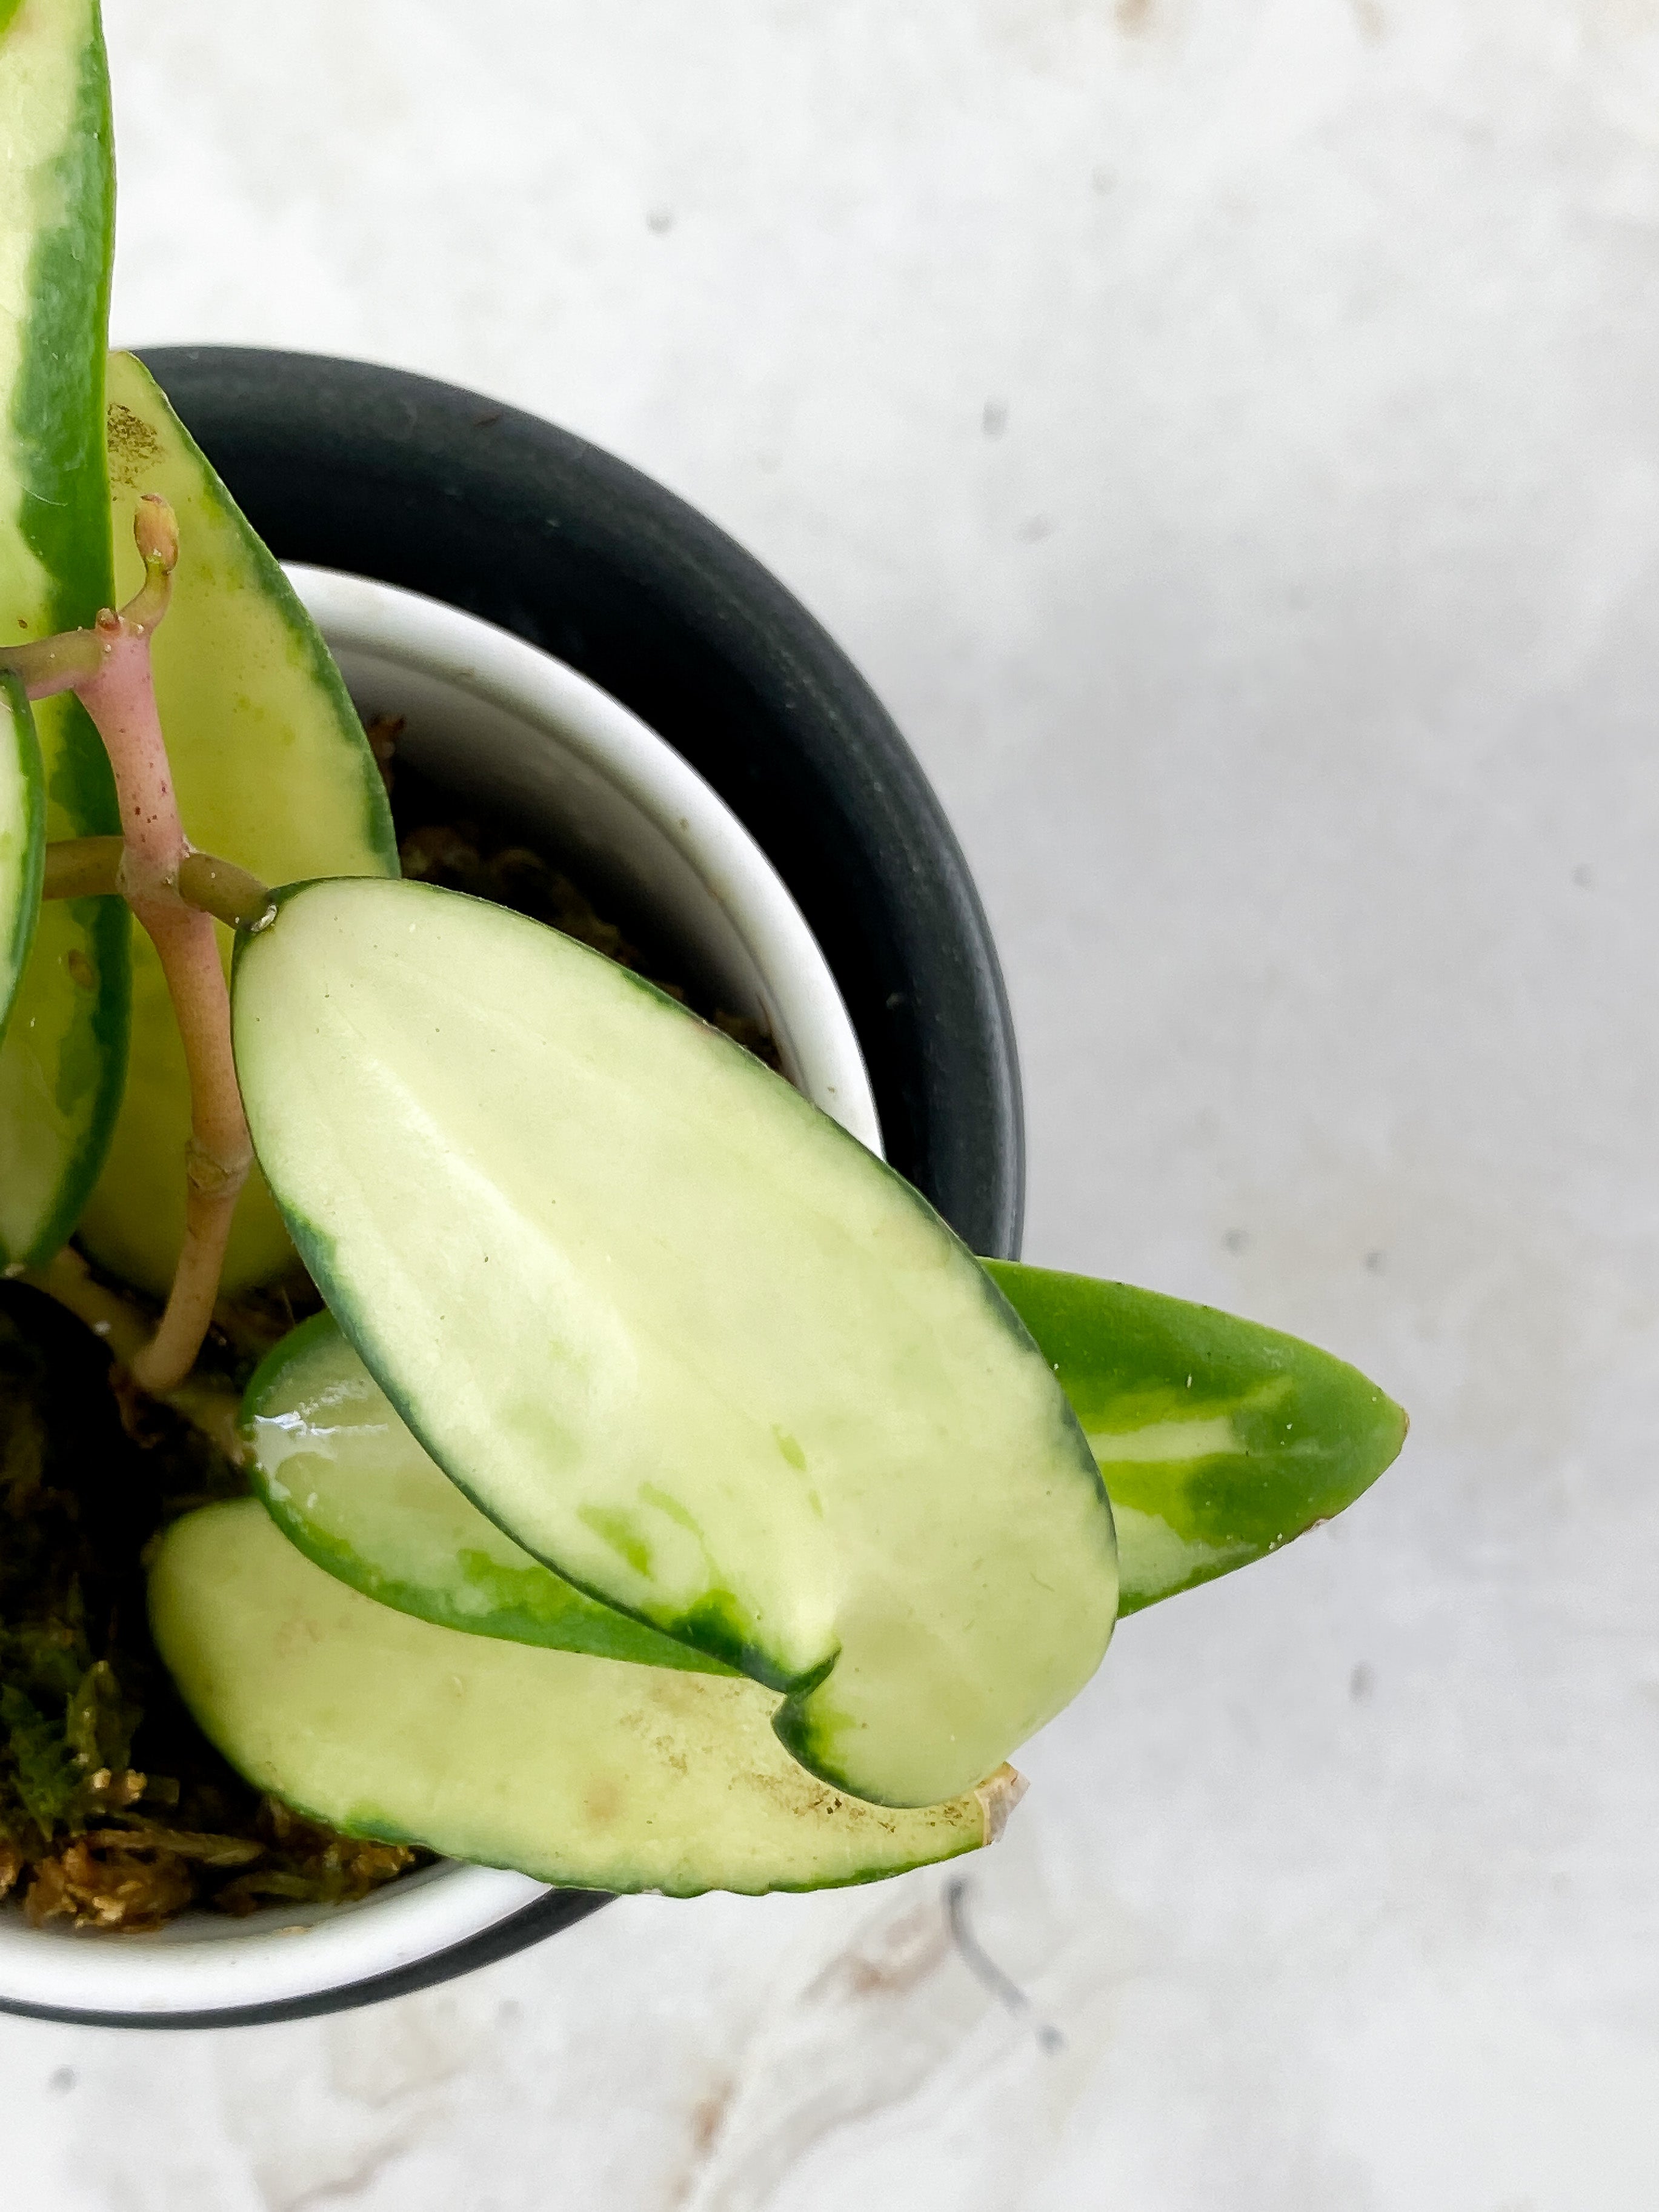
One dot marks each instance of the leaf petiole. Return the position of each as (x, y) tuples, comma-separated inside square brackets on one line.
[(175, 893)]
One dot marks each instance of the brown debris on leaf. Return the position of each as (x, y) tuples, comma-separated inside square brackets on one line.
[(997, 1796)]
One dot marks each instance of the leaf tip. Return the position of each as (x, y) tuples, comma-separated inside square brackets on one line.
[(997, 1796)]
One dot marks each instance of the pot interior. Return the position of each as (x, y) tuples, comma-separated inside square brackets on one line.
[(517, 738)]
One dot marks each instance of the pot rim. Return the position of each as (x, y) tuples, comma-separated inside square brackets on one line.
[(800, 998), (404, 1934), (379, 472)]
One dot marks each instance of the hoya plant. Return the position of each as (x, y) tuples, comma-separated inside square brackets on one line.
[(664, 1497)]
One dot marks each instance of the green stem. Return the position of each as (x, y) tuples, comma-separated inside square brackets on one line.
[(82, 867), (90, 868)]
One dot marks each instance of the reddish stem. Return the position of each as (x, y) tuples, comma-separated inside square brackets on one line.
[(109, 669)]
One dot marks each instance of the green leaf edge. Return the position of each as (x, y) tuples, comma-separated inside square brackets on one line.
[(371, 1825), (712, 1632), (31, 774), (273, 583), (69, 283), (340, 1560), (1346, 1418)]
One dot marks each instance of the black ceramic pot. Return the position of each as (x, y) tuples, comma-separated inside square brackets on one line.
[(391, 476), (380, 474)]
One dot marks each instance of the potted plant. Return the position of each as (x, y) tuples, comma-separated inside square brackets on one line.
[(484, 712), (666, 1498)]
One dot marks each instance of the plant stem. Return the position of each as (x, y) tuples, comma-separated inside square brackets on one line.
[(82, 867), (108, 667), (228, 893), (90, 868)]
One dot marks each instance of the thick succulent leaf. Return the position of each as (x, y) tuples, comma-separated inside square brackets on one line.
[(583, 1771), (273, 771), (1219, 1440), (681, 1336), (22, 836), (62, 1062), (344, 1479), (1269, 1436)]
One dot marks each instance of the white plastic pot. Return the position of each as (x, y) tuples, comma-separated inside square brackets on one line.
[(525, 737)]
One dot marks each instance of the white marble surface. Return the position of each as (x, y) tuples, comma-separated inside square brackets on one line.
[(1225, 431)]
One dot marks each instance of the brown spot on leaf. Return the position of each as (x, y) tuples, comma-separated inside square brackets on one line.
[(603, 1802), (133, 446)]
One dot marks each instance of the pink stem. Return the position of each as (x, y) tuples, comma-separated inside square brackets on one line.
[(109, 668)]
